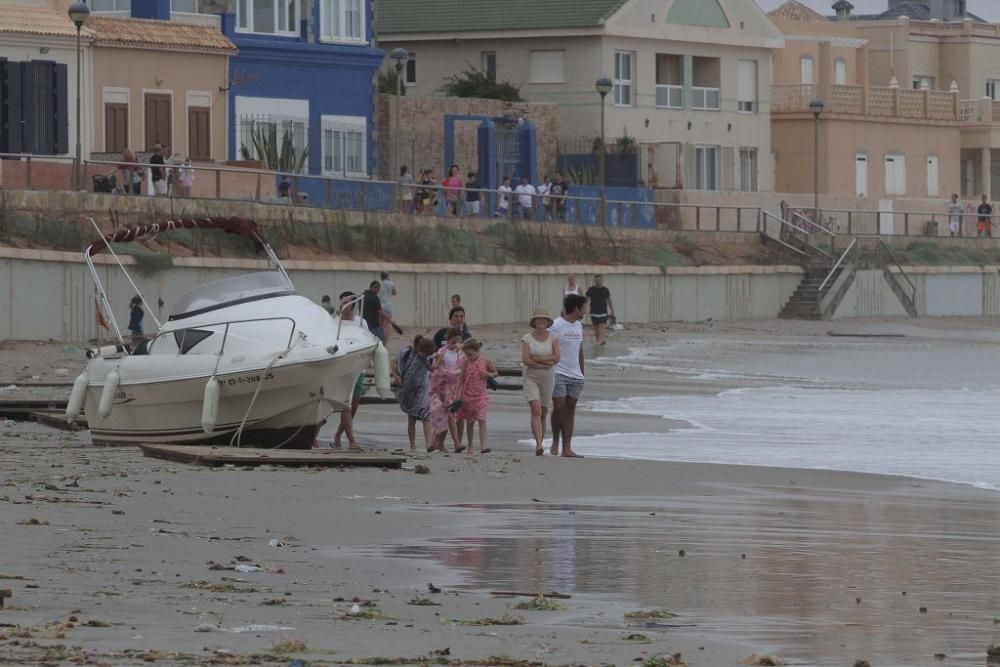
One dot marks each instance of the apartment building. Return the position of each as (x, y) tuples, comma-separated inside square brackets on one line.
[(691, 78)]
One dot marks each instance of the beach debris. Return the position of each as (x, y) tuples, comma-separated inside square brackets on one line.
[(223, 587), (9, 389), (763, 661), (4, 594), (96, 623), (862, 663), (649, 615), (993, 654), (275, 602), (289, 646), (940, 656), (681, 553), (550, 594), (33, 522), (240, 629), (636, 637), (441, 652), (433, 589), (275, 542), (246, 568), (540, 603), (923, 610), (61, 372), (421, 469), (506, 619), (665, 660), (418, 601), (362, 612)]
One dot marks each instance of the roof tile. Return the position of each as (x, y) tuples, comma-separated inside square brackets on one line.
[(424, 16), (793, 10), (36, 21), (167, 35)]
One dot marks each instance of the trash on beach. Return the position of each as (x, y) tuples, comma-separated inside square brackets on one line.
[(8, 423), (275, 542), (649, 615), (245, 568), (506, 619), (993, 654), (418, 601), (636, 637), (540, 603), (368, 612), (421, 470), (33, 522), (550, 594), (289, 646), (862, 663), (665, 660), (240, 629), (9, 389), (764, 661), (61, 372)]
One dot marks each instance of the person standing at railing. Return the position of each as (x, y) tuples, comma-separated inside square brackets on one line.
[(955, 216), (525, 198), (131, 176), (185, 178), (157, 174), (543, 190), (473, 196), (426, 196), (503, 198), (558, 192), (405, 190), (985, 226), (453, 186)]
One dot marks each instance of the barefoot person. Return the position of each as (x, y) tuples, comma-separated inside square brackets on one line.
[(540, 354), (346, 426), (413, 364), (446, 370), (568, 373), (601, 308), (476, 370)]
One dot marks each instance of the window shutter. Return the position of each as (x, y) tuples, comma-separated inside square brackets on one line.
[(61, 106), (547, 67), (14, 111), (728, 169), (746, 71), (29, 112)]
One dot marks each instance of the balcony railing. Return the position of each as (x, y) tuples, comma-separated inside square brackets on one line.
[(791, 97), (879, 101), (705, 99), (669, 96)]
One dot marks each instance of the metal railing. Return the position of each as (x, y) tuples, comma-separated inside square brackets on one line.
[(225, 333), (881, 249), (840, 263)]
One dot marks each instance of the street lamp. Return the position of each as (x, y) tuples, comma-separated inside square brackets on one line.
[(603, 87), (816, 106), (79, 12), (400, 56)]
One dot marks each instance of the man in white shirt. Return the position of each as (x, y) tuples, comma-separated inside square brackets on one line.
[(503, 198), (569, 373), (525, 198)]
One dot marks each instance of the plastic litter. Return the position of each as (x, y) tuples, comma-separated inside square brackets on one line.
[(243, 567), (9, 389), (355, 610), (239, 629), (62, 372), (70, 349), (275, 542), (8, 423)]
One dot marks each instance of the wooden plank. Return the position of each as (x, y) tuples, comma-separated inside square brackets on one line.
[(251, 456), (20, 409), (57, 419)]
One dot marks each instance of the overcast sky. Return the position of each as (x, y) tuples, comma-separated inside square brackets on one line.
[(988, 9)]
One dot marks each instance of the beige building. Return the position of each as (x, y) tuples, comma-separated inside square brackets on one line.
[(160, 82), (925, 75), (691, 78)]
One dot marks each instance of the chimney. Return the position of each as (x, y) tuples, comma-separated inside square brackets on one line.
[(843, 9)]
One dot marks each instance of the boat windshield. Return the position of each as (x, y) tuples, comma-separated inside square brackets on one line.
[(231, 291)]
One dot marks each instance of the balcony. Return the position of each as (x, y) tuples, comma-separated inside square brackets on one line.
[(669, 96), (876, 101), (705, 99)]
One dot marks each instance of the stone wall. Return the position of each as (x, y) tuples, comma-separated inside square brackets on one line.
[(421, 136)]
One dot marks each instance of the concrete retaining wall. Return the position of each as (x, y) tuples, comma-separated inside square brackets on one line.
[(48, 294), (953, 291)]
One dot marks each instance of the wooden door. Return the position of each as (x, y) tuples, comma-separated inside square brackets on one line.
[(199, 133), (115, 127), (158, 127)]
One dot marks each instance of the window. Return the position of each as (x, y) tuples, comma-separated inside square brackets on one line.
[(268, 17), (623, 78), (993, 89), (706, 168), (746, 71), (705, 91), (111, 5), (116, 130), (669, 81), (895, 175), (192, 7), (488, 63), (921, 81), (861, 175), (806, 67), (547, 67), (344, 146), (748, 170), (958, 7), (342, 20), (410, 73), (933, 176), (285, 132), (840, 72)]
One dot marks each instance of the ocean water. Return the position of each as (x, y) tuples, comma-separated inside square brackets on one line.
[(923, 409)]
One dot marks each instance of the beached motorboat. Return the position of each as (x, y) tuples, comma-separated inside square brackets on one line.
[(242, 361)]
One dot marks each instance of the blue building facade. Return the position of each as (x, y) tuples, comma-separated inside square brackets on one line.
[(304, 71)]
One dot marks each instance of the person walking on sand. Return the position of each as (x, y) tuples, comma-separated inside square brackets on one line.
[(456, 301), (456, 320), (446, 370), (539, 354), (569, 374), (346, 426), (601, 308), (412, 366), (476, 371), (371, 310), (572, 287), (955, 216)]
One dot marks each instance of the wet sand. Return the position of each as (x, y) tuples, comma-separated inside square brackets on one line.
[(837, 565)]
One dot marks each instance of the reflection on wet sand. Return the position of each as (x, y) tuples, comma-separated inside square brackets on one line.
[(827, 576)]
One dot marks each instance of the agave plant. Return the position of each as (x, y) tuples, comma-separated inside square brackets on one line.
[(281, 157)]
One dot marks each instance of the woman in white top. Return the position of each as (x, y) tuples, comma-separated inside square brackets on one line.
[(572, 287), (540, 354)]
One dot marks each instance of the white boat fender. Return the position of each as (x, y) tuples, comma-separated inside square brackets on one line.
[(210, 406), (76, 397), (382, 383), (107, 402)]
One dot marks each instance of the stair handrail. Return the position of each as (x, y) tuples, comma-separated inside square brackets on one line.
[(828, 281), (819, 226), (778, 240), (782, 221), (882, 246)]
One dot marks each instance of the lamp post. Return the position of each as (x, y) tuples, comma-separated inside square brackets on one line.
[(79, 12), (603, 87), (816, 106), (400, 56)]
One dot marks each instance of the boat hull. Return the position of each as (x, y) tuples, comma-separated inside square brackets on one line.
[(292, 402)]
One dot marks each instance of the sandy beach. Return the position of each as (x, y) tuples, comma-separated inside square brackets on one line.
[(116, 559)]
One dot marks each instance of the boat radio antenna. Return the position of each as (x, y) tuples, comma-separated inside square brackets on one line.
[(131, 282)]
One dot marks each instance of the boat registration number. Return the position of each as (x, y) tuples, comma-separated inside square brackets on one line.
[(248, 379)]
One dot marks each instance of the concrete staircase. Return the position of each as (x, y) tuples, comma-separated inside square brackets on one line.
[(804, 303)]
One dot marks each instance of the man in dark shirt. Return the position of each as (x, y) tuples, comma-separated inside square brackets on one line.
[(601, 308), (557, 192), (159, 178), (371, 310), (472, 195), (985, 211)]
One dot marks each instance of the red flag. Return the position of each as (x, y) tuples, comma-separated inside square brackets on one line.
[(101, 320)]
